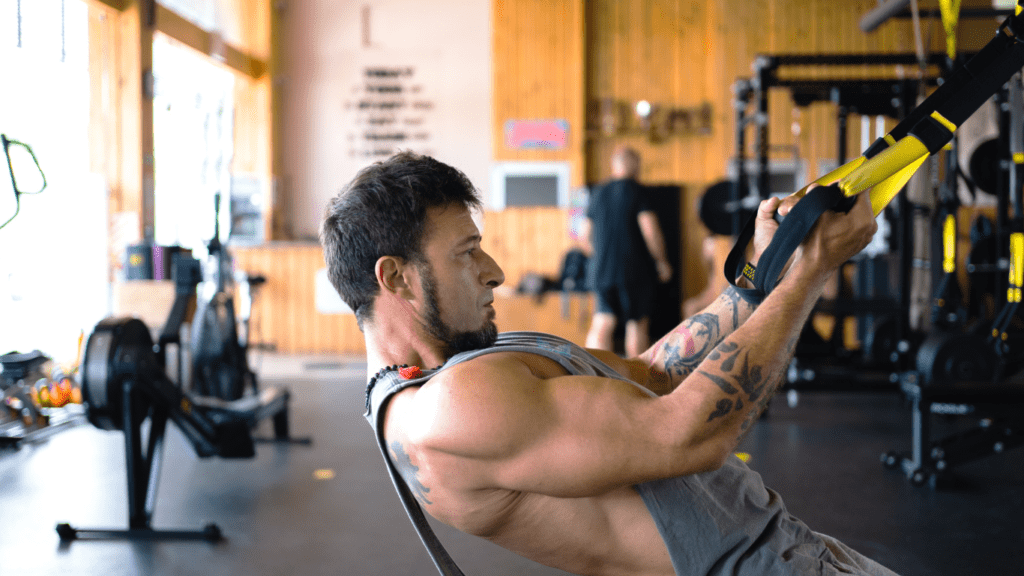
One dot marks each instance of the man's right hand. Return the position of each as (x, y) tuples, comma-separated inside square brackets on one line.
[(836, 238)]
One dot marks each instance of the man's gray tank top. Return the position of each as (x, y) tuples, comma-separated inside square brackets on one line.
[(717, 523)]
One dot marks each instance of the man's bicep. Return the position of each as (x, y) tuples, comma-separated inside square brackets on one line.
[(569, 436)]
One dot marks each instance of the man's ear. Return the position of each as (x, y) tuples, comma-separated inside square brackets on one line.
[(395, 275)]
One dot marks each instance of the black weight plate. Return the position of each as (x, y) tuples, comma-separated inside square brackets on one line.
[(716, 208), (945, 358), (984, 165)]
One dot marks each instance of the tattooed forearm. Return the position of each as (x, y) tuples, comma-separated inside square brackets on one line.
[(679, 352), (772, 384), (739, 305), (408, 472), (734, 304), (751, 385), (687, 345), (744, 377)]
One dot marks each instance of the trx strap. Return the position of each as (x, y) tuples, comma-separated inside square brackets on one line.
[(886, 166), (1015, 288), (378, 394), (950, 12), (944, 293), (947, 296)]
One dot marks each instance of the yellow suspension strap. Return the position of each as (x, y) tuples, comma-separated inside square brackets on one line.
[(949, 244), (950, 12), (1001, 324), (947, 292), (886, 166), (1013, 292), (947, 301)]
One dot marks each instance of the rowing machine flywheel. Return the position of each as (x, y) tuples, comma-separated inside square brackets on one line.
[(115, 347)]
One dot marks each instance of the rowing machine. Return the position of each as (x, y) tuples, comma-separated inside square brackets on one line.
[(124, 384)]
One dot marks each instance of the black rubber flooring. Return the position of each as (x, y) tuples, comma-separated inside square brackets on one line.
[(329, 508)]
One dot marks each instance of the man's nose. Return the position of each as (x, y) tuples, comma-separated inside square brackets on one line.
[(492, 274)]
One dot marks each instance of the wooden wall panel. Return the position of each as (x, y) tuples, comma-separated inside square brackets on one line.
[(284, 312), (525, 240), (682, 52), (253, 24), (285, 315), (104, 99), (568, 318), (538, 73), (253, 144)]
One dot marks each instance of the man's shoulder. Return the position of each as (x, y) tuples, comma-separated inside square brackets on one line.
[(609, 186), (465, 404), (495, 378), (489, 369)]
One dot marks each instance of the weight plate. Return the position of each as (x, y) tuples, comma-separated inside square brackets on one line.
[(945, 358), (716, 208), (984, 165)]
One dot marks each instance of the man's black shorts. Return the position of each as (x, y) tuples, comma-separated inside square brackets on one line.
[(626, 302)]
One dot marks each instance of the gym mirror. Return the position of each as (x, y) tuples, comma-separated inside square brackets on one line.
[(22, 176)]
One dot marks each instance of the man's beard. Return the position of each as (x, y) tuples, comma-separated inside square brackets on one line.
[(453, 341)]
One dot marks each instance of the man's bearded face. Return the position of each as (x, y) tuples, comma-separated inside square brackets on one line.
[(454, 341)]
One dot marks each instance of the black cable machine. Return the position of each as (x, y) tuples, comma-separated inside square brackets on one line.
[(882, 171), (879, 298), (975, 368)]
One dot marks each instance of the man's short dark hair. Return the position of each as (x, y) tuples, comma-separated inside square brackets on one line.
[(383, 212)]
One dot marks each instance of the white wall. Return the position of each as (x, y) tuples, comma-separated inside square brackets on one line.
[(449, 44)]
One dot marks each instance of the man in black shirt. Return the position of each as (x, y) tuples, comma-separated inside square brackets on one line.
[(627, 254)]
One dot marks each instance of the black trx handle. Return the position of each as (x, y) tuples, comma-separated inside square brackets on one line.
[(792, 231), (889, 162)]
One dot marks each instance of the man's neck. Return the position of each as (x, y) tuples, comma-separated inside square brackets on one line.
[(399, 339)]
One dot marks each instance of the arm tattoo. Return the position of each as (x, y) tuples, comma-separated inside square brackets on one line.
[(681, 347), (775, 380), (408, 472), (736, 300), (755, 384)]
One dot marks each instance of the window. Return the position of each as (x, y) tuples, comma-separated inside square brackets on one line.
[(193, 130), (57, 245)]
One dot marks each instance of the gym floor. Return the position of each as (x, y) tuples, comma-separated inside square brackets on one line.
[(329, 508)]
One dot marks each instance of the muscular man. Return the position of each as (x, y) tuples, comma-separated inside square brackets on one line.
[(589, 463), (627, 256)]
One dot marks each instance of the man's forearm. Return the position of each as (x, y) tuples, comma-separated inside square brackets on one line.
[(677, 354), (653, 238), (747, 367)]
